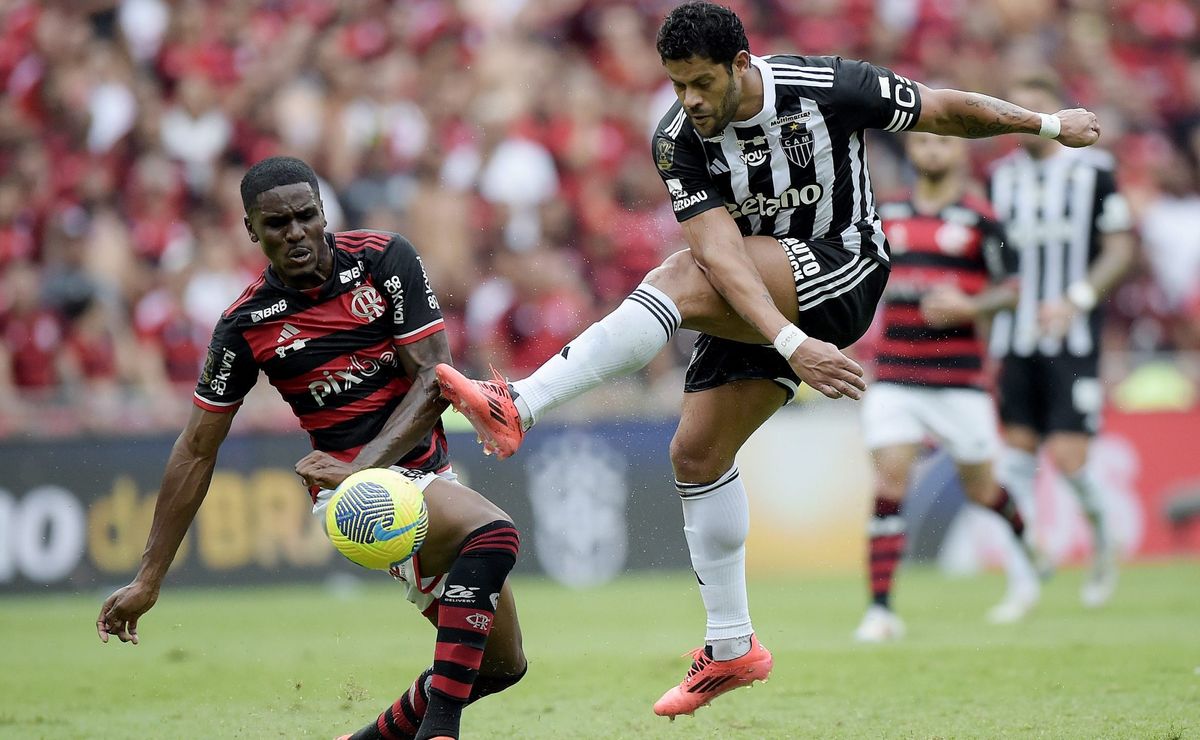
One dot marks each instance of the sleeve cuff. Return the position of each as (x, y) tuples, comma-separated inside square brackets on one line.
[(215, 407), (433, 327)]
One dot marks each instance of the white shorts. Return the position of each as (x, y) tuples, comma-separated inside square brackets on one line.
[(421, 591), (962, 420)]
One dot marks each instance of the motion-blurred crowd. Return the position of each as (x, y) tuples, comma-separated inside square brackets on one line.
[(508, 139)]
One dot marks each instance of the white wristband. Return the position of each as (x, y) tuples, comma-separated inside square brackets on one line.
[(1082, 295), (790, 337), (1051, 126)]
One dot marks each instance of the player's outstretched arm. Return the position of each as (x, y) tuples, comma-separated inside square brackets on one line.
[(412, 419), (184, 485), (977, 116)]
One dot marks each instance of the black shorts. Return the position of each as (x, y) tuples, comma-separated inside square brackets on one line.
[(838, 292), (1051, 394)]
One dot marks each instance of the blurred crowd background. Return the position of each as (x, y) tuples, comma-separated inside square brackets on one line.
[(508, 139)]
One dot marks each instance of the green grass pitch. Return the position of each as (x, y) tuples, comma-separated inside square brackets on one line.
[(308, 662)]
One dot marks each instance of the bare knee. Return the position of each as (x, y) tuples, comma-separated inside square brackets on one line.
[(696, 461), (1068, 452), (685, 283), (978, 482), (1021, 438), (892, 466)]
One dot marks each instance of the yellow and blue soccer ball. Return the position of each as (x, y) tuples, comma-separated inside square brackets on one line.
[(377, 518)]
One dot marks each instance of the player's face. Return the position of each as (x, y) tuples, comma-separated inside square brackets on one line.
[(710, 92), (289, 224), (935, 156)]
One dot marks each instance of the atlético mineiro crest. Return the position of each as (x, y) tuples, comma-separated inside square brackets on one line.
[(798, 146), (366, 303)]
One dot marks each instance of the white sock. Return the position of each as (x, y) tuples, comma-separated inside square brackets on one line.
[(1017, 472), (716, 520), (620, 343), (1088, 492)]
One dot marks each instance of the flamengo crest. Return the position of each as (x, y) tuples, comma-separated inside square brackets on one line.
[(366, 303)]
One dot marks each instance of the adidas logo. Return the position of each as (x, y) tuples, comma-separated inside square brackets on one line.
[(287, 333), (717, 167)]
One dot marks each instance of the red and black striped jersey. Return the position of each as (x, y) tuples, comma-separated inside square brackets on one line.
[(963, 246), (331, 351)]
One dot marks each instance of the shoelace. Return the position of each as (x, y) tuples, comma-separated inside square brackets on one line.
[(498, 384), (700, 661)]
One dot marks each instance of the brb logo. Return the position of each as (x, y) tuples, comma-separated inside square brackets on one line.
[(268, 312), (333, 383)]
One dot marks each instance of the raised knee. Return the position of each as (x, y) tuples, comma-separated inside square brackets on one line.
[(685, 283)]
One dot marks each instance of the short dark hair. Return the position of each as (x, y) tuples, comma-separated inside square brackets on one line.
[(273, 172), (702, 29)]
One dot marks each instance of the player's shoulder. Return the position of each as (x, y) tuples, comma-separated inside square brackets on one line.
[(895, 209), (978, 206), (259, 299), (1016, 158), (674, 123), (366, 241), (822, 64), (1097, 159), (808, 76)]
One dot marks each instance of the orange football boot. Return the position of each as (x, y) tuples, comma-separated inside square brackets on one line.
[(488, 405), (707, 679)]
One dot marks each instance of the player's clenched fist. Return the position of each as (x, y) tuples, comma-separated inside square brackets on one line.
[(824, 367), (1080, 127)]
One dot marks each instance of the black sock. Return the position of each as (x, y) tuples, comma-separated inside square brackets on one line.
[(466, 611)]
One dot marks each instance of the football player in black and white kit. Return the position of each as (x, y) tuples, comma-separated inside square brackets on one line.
[(1073, 231), (764, 163)]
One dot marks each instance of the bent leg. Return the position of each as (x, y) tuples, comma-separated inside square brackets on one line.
[(675, 293), (714, 425)]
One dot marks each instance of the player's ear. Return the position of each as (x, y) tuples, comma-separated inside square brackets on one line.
[(741, 63), (250, 229)]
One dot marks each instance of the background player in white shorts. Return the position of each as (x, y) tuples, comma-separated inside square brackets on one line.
[(950, 268)]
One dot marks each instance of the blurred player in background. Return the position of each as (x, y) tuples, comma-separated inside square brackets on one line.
[(764, 163), (347, 328), (951, 270), (1072, 228)]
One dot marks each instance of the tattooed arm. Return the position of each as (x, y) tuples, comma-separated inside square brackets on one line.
[(976, 116)]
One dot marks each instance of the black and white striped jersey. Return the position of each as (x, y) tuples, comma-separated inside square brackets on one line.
[(1055, 211), (797, 168)]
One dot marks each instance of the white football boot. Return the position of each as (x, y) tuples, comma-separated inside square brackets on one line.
[(879, 624)]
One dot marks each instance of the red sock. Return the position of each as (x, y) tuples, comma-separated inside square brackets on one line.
[(885, 548), (1006, 507), (465, 613)]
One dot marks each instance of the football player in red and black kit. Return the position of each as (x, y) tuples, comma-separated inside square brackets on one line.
[(348, 330), (951, 270)]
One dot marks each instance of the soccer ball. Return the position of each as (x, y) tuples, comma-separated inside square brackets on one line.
[(377, 518)]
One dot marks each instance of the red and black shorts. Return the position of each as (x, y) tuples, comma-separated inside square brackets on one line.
[(837, 291)]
